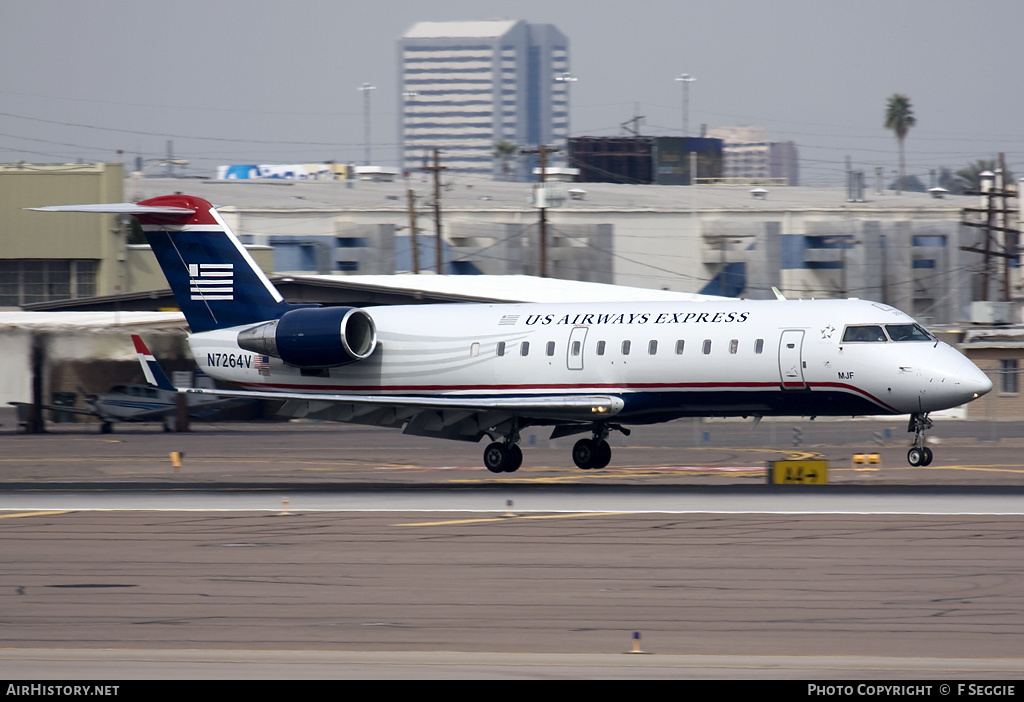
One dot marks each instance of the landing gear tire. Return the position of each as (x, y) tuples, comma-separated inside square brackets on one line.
[(583, 453), (495, 457), (591, 453), (515, 458), (502, 458), (919, 456)]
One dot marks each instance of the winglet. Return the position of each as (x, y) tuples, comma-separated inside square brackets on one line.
[(778, 293), (150, 367)]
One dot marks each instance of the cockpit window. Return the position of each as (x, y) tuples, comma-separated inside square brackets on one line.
[(907, 332), (864, 332)]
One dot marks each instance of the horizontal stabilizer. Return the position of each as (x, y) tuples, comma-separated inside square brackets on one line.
[(129, 208), (215, 281)]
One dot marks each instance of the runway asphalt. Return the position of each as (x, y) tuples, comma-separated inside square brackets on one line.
[(549, 593), (683, 452)]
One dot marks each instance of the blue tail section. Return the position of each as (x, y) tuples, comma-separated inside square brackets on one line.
[(214, 279), (150, 367)]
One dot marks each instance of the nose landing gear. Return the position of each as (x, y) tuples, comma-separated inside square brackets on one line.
[(919, 454)]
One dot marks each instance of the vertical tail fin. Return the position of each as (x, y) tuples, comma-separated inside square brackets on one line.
[(150, 367), (214, 279)]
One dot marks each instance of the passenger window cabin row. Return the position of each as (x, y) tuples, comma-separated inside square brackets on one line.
[(854, 333), (625, 347)]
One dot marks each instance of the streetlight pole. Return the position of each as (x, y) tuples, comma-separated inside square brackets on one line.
[(686, 79), (568, 79), (409, 97), (365, 88)]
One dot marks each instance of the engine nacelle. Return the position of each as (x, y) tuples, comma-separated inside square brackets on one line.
[(314, 337)]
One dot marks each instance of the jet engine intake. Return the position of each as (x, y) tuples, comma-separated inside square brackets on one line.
[(315, 337)]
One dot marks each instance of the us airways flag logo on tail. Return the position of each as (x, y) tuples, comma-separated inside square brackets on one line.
[(211, 281), (215, 281)]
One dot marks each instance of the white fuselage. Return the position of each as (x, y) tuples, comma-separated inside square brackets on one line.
[(727, 358)]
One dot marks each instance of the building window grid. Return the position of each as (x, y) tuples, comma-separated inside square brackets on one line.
[(491, 60), (1008, 374), (25, 281)]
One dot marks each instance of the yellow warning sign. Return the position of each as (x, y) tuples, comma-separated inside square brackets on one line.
[(799, 472)]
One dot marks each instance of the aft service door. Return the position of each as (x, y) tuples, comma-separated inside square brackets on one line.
[(574, 354), (791, 362)]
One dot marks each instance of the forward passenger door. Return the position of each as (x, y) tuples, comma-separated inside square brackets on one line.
[(791, 362), (574, 353)]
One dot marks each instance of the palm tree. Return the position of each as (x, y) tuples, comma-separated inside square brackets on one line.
[(899, 117), (970, 175), (505, 150)]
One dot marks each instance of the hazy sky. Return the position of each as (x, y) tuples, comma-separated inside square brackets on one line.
[(249, 81)]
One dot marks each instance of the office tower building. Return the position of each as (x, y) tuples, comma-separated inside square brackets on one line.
[(466, 86)]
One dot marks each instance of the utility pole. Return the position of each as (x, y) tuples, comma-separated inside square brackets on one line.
[(993, 188), (412, 232), (543, 214), (1011, 237), (436, 170), (543, 151), (635, 129)]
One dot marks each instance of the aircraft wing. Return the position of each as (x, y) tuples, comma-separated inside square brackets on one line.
[(202, 411), (138, 416), (149, 415), (451, 417), (213, 408), (58, 408)]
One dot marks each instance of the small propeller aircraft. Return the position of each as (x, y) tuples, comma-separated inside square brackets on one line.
[(155, 401)]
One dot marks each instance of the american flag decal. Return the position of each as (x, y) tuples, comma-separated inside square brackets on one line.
[(509, 319), (263, 364), (212, 281)]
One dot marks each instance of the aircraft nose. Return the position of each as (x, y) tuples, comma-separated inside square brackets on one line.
[(954, 379), (971, 382), (974, 381)]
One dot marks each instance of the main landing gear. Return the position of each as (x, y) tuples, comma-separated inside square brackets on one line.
[(506, 456), (919, 454), (591, 453), (503, 457), (595, 452)]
